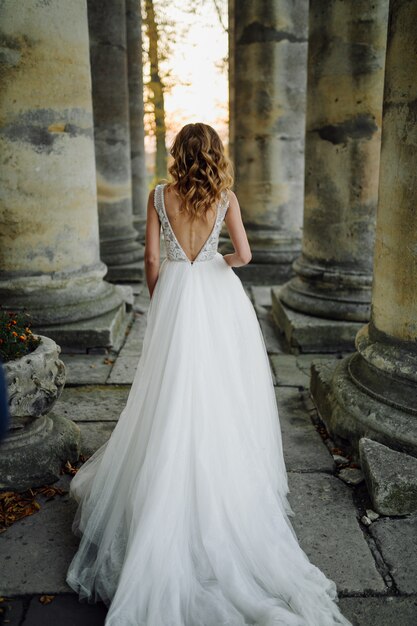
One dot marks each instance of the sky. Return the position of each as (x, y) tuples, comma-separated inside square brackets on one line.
[(201, 45)]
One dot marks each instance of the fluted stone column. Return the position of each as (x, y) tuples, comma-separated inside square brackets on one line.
[(108, 54), (344, 106), (136, 113), (49, 240), (373, 392), (268, 52)]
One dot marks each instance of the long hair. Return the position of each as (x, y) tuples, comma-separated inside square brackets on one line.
[(200, 169)]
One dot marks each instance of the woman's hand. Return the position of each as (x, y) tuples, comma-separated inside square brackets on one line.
[(236, 230)]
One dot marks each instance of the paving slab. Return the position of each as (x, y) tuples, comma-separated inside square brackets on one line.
[(36, 550), (134, 340), (87, 369), (262, 312), (11, 611), (65, 610), (94, 435), (124, 370), (274, 341), (141, 302), (262, 295), (303, 447), (328, 531), (287, 372), (93, 403), (397, 540), (380, 610)]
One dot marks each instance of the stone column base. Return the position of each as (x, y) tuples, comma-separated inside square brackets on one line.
[(101, 332), (268, 267), (349, 413), (260, 274), (35, 457), (307, 333), (129, 272), (139, 224)]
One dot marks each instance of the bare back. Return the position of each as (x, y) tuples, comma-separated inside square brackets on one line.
[(191, 234)]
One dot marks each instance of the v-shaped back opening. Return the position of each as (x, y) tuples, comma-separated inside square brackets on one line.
[(175, 236)]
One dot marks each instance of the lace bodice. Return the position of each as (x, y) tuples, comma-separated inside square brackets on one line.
[(174, 251)]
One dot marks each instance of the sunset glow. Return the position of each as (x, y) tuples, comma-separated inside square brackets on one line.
[(199, 72)]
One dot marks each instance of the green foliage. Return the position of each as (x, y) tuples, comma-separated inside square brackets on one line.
[(16, 337)]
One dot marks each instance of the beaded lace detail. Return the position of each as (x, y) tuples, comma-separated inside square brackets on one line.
[(174, 251)]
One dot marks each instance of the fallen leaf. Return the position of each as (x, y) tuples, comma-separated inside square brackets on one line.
[(16, 505), (68, 468), (46, 599)]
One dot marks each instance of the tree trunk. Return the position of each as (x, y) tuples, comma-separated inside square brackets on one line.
[(157, 90)]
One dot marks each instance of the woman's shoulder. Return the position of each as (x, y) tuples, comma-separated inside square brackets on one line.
[(231, 196)]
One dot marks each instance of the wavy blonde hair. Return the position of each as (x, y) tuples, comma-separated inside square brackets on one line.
[(200, 169)]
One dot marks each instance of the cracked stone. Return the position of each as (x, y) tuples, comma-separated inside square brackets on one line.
[(391, 478)]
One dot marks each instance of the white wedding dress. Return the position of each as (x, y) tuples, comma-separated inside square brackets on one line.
[(183, 512)]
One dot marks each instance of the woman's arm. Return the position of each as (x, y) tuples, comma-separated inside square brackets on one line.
[(152, 244), (237, 232)]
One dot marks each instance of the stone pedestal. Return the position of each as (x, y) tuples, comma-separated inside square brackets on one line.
[(373, 393), (136, 113), (49, 240), (268, 50), (305, 333), (36, 445), (119, 249), (346, 57)]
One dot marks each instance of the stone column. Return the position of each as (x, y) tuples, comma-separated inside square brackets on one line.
[(108, 54), (136, 113), (49, 240), (373, 392), (268, 52), (333, 279)]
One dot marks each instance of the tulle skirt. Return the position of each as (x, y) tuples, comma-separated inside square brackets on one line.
[(183, 513)]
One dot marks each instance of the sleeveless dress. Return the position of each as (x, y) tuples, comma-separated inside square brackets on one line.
[(183, 513)]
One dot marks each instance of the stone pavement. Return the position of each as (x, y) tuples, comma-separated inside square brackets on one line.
[(374, 563)]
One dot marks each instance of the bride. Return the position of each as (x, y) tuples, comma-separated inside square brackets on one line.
[(183, 513)]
